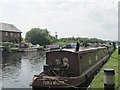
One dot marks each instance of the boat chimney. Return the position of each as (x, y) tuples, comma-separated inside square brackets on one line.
[(77, 46), (114, 45)]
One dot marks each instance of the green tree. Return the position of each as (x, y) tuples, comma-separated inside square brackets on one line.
[(38, 36), (82, 40)]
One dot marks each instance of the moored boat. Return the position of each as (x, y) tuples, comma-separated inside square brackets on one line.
[(68, 68)]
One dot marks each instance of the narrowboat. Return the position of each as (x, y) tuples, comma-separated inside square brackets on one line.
[(70, 68)]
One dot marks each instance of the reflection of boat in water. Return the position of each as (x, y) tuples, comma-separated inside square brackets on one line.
[(4, 49), (68, 68), (10, 59)]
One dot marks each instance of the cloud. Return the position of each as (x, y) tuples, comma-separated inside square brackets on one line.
[(69, 18)]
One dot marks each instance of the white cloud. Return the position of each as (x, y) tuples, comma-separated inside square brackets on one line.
[(87, 18)]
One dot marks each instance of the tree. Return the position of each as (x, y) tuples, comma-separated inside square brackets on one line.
[(38, 36)]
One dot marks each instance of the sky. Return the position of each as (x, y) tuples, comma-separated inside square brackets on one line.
[(78, 18)]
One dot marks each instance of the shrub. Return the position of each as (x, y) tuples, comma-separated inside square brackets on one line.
[(14, 49), (7, 44)]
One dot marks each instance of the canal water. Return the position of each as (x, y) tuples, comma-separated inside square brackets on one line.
[(18, 68)]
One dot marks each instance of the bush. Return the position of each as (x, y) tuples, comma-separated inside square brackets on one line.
[(7, 44), (63, 44), (40, 47), (14, 49)]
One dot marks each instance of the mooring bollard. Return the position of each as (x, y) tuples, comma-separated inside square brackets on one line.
[(109, 79)]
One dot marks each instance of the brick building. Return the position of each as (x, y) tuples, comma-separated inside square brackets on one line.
[(9, 33)]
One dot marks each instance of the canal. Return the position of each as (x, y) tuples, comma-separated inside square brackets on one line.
[(18, 68)]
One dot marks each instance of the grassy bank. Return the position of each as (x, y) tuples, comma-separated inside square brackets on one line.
[(98, 81)]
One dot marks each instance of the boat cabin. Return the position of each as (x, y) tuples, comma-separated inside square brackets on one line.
[(68, 62)]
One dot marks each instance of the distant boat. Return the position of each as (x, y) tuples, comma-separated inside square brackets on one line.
[(70, 46), (51, 47)]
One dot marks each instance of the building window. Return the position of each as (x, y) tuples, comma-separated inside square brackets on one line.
[(6, 34), (11, 34)]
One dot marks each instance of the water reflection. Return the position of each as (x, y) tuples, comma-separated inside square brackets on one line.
[(10, 59), (19, 68)]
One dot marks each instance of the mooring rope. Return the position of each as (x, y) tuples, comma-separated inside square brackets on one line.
[(61, 82), (54, 72)]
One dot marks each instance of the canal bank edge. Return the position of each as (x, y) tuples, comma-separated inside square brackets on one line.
[(98, 81)]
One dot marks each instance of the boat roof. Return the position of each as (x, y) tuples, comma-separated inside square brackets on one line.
[(82, 49)]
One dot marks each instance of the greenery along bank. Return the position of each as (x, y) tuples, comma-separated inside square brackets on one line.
[(43, 37), (98, 81)]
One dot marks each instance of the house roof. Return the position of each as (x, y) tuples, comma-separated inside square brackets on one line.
[(8, 27)]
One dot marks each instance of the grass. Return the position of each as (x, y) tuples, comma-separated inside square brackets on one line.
[(98, 81), (61, 43)]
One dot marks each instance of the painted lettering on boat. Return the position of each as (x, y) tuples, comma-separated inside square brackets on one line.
[(53, 82)]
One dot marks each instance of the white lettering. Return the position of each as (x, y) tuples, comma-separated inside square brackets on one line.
[(53, 82)]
